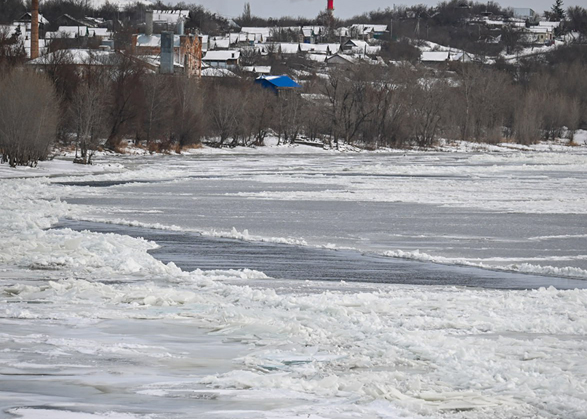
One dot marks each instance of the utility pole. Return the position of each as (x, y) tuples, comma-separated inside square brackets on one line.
[(391, 30)]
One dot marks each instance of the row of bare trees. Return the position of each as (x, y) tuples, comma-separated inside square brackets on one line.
[(373, 107), (474, 103), (107, 100)]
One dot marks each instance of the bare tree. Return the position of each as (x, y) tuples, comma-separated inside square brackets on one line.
[(246, 17), (527, 118), (222, 112), (261, 115), (28, 117), (188, 112), (577, 21), (510, 38), (11, 48), (125, 90), (350, 104), (88, 114), (157, 107), (249, 56), (426, 100), (480, 103), (289, 119)]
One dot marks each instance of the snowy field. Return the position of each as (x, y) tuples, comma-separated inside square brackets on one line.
[(94, 326)]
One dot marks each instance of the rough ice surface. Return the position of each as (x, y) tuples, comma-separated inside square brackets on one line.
[(93, 326)]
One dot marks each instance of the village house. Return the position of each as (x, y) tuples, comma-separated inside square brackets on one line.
[(68, 20), (79, 59), (219, 42), (78, 32), (367, 32), (21, 36), (325, 49), (257, 70), (312, 34), (341, 60), (241, 39), (26, 18), (278, 84), (217, 72), (354, 46), (538, 35), (442, 59), (258, 34), (222, 59)]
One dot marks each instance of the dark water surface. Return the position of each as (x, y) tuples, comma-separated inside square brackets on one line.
[(192, 251)]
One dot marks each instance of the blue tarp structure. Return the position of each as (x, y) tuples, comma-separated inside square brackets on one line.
[(277, 83)]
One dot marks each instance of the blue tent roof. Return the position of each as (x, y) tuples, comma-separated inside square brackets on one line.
[(277, 81)]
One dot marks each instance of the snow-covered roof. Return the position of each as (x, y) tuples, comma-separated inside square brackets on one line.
[(265, 32), (356, 43), (539, 29), (94, 20), (259, 69), (549, 24), (441, 56), (154, 41), (76, 56), (361, 47), (289, 47), (240, 37), (144, 40), (76, 31), (26, 17), (319, 58), (362, 29), (221, 55), (435, 56), (338, 57), (315, 29), (342, 31), (217, 72), (320, 48), (279, 81), (103, 32), (72, 31), (170, 16), (219, 42)]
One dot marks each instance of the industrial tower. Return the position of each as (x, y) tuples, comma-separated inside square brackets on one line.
[(34, 29)]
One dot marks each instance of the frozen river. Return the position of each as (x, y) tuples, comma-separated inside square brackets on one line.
[(293, 283), (514, 212), (191, 251)]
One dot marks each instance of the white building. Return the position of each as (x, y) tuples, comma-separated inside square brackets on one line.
[(222, 59)]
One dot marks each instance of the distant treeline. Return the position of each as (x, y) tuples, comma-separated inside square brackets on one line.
[(447, 23)]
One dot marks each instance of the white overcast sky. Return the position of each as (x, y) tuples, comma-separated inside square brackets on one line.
[(344, 8)]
